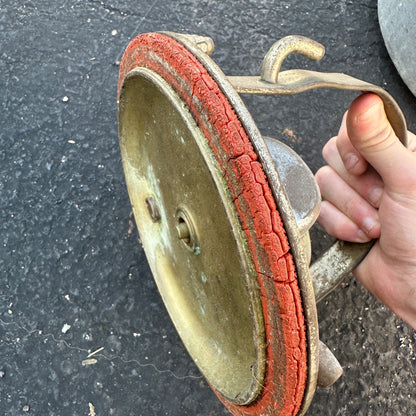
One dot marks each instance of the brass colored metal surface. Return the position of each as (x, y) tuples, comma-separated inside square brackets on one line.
[(299, 182), (332, 267), (295, 81), (284, 47), (330, 369), (153, 209), (296, 239), (204, 43), (192, 236), (186, 229)]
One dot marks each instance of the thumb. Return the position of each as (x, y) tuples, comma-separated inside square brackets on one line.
[(373, 137)]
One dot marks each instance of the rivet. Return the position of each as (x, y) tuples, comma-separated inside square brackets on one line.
[(153, 209)]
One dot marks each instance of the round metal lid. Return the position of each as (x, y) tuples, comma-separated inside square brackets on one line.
[(397, 23), (191, 235)]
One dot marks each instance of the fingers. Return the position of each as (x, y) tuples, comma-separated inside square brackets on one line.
[(371, 134), (335, 223), (369, 184), (368, 166), (336, 191)]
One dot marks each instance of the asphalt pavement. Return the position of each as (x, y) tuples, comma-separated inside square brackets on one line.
[(83, 330)]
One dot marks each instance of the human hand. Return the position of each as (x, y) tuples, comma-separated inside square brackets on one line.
[(369, 187)]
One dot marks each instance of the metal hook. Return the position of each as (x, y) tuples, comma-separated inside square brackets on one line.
[(284, 47)]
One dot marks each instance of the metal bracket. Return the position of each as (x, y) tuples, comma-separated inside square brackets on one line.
[(294, 81), (329, 270)]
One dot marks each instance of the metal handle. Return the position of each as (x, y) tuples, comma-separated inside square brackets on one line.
[(294, 81), (329, 270), (332, 267)]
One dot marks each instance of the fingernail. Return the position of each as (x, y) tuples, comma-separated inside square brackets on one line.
[(369, 224), (362, 237), (375, 196), (350, 161)]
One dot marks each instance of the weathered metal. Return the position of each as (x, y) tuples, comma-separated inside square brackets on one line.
[(208, 192), (397, 24), (282, 48), (329, 368), (295, 81), (333, 266), (192, 236), (296, 238)]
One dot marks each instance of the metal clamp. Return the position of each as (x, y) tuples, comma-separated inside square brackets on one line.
[(294, 81), (328, 271)]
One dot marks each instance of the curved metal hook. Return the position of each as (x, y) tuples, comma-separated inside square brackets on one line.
[(284, 47)]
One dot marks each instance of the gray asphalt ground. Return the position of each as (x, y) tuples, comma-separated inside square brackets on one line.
[(74, 278)]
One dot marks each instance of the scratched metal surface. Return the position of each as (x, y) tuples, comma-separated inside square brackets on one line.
[(74, 279)]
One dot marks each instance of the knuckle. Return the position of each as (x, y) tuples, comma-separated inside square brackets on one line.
[(373, 194), (350, 209), (380, 139), (329, 148)]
